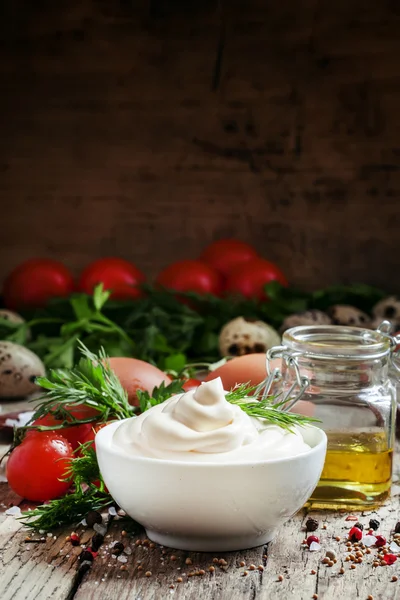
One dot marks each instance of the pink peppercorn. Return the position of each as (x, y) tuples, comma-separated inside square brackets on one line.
[(355, 534), (380, 541), (311, 539), (389, 559)]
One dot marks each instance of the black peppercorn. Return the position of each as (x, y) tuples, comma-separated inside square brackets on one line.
[(85, 566), (311, 525), (397, 527), (359, 526), (86, 555), (374, 524), (97, 541), (118, 548), (93, 517)]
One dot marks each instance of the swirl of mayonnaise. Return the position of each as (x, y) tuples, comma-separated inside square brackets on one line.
[(202, 426)]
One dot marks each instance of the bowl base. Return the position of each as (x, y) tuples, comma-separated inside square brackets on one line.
[(210, 544)]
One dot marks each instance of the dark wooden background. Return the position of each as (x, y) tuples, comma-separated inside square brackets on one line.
[(147, 129)]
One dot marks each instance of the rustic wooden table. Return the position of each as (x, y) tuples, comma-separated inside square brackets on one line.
[(283, 569)]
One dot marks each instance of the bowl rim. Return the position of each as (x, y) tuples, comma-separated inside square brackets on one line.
[(105, 434)]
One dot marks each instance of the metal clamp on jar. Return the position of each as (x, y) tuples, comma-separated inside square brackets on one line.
[(343, 376)]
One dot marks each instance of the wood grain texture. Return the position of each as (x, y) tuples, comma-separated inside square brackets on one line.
[(49, 570), (146, 130)]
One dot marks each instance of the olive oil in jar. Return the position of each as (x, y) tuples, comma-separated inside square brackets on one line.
[(357, 471)]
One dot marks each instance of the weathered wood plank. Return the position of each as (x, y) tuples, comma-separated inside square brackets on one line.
[(50, 569)]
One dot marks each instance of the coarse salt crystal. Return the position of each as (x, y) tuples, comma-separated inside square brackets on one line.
[(13, 511), (122, 558), (23, 419), (84, 522), (112, 511), (49, 535), (394, 547), (99, 528), (128, 550), (314, 547), (368, 540), (3, 478)]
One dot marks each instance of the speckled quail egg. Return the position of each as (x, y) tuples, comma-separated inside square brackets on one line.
[(10, 315), (342, 314), (387, 310), (246, 336), (18, 369), (308, 317)]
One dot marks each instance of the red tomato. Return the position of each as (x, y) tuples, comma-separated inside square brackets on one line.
[(250, 278), (224, 255), (76, 433), (191, 384), (35, 467), (115, 274), (35, 281), (191, 276), (91, 434)]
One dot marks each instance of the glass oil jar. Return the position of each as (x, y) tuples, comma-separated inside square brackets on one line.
[(349, 389)]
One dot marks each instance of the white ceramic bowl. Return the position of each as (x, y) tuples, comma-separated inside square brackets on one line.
[(206, 506)]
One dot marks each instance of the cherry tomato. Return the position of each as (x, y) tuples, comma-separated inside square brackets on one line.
[(37, 466), (115, 274), (76, 433), (191, 276), (249, 279), (91, 434), (191, 384), (35, 282), (224, 255)]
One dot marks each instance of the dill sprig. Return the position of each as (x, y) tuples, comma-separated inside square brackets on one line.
[(88, 493), (269, 408), (90, 383)]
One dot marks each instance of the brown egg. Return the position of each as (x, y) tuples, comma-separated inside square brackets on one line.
[(242, 369), (252, 368), (135, 374)]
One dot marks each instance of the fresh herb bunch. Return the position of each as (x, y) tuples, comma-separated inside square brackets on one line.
[(159, 394), (91, 383), (158, 328), (88, 493)]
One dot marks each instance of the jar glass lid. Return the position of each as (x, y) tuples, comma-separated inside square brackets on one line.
[(335, 341)]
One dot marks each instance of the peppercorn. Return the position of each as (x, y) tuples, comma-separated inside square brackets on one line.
[(359, 525), (397, 527), (118, 548), (374, 524), (311, 539), (380, 541), (97, 541), (93, 517), (312, 525), (86, 555), (75, 540), (85, 566), (390, 559), (355, 534)]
